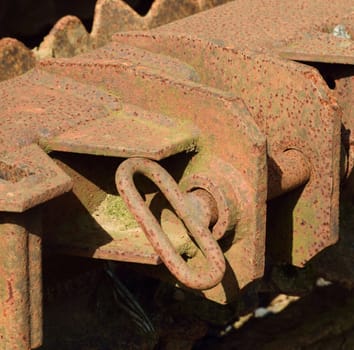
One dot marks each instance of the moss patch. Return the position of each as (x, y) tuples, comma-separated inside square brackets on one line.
[(114, 209)]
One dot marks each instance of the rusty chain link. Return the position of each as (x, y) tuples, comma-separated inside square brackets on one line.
[(214, 268)]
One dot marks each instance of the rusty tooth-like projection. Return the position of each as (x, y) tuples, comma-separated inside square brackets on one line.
[(187, 145), (69, 37)]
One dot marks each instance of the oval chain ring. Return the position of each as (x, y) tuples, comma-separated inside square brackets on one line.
[(214, 267)]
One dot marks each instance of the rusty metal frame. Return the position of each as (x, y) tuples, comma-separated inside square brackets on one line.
[(232, 127), (293, 116), (258, 132)]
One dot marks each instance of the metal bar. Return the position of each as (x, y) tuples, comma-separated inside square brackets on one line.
[(20, 281), (35, 277), (15, 325), (287, 171), (206, 205)]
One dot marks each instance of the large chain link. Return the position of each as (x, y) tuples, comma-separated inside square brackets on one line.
[(213, 270)]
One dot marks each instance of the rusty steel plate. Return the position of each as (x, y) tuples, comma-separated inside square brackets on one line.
[(264, 26), (129, 133), (230, 84), (29, 177), (214, 72), (225, 125), (325, 48), (123, 55), (55, 106), (290, 103)]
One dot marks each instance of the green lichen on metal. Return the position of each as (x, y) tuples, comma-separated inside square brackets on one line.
[(115, 208), (45, 146)]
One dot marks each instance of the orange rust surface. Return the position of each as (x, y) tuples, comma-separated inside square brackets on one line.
[(69, 37), (263, 26), (220, 71), (15, 58), (173, 137), (220, 117), (235, 48), (291, 115), (20, 281)]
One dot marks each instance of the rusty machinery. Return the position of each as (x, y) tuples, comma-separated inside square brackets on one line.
[(191, 145)]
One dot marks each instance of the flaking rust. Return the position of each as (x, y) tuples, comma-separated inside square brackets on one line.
[(243, 142)]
